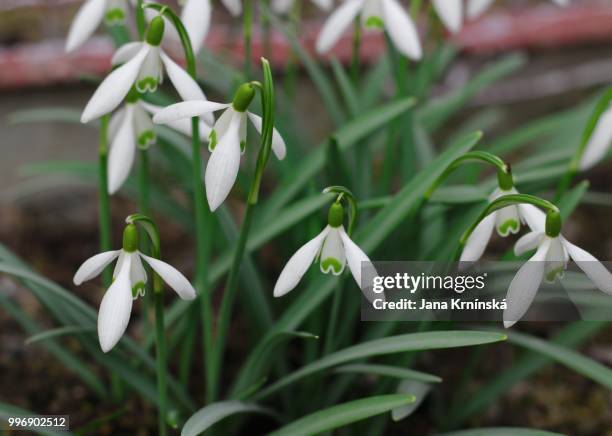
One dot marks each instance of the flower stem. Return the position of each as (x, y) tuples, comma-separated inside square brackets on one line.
[(104, 202), (160, 360), (356, 50), (143, 182), (231, 287), (248, 33), (333, 320)]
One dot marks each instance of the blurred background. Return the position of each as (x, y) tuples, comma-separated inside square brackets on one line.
[(51, 221)]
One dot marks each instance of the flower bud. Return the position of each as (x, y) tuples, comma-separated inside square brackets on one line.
[(155, 32), (553, 223), (130, 238), (335, 215), (243, 97)]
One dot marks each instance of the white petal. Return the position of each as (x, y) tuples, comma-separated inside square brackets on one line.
[(524, 285), (527, 242), (196, 18), (85, 23), (94, 266), (599, 142), (337, 23), (126, 52), (278, 143), (144, 131), (184, 84), (478, 240), (151, 73), (593, 268), (323, 4), (182, 125), (402, 30), (115, 309), (299, 263), (233, 6), (114, 88), (115, 121), (187, 110), (221, 125), (122, 152), (223, 165), (556, 261), (356, 258), (534, 217), (172, 277), (475, 8), (282, 6), (450, 13), (333, 257)]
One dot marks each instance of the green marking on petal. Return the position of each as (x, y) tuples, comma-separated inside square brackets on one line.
[(375, 22), (138, 290), (146, 139), (114, 16), (242, 147), (212, 140), (331, 264), (555, 273), (146, 84), (507, 227)]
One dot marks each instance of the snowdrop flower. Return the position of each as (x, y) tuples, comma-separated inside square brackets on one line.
[(283, 6), (129, 279), (89, 17), (450, 13), (549, 262), (599, 142), (142, 66), (375, 14), (334, 249), (506, 221), (132, 127), (227, 139), (475, 8)]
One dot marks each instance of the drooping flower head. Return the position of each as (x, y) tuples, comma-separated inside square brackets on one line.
[(505, 221), (600, 138), (375, 15), (142, 65), (129, 279), (90, 16), (131, 127), (227, 138), (333, 248), (475, 8), (548, 263)]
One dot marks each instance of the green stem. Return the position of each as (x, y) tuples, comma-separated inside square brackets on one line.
[(248, 33), (104, 201), (202, 212), (140, 20), (143, 182), (356, 51), (160, 360), (231, 287), (333, 320)]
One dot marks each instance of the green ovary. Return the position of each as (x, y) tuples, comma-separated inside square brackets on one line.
[(212, 140), (508, 226), (115, 16), (554, 273), (331, 264), (146, 84), (374, 22)]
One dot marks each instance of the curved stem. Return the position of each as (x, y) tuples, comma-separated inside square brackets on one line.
[(350, 199), (505, 201), (469, 157), (140, 19), (231, 287)]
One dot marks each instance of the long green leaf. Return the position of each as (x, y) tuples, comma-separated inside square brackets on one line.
[(501, 431), (388, 371), (208, 416), (390, 345), (343, 414)]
